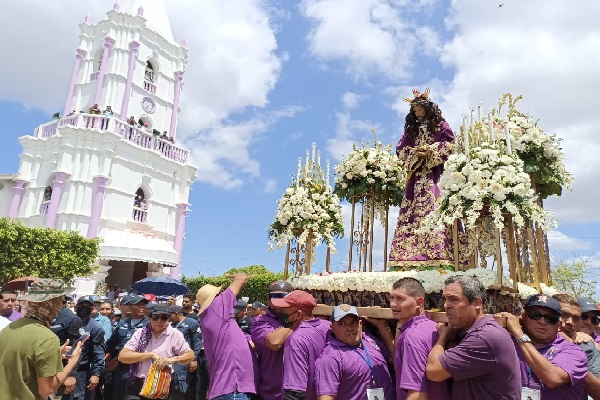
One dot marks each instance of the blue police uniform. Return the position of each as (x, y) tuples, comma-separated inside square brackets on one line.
[(121, 335), (67, 325), (182, 378)]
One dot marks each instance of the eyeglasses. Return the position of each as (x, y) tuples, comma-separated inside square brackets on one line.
[(550, 319), (276, 295), (162, 317), (594, 318)]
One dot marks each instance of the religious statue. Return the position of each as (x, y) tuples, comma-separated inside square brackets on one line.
[(424, 147)]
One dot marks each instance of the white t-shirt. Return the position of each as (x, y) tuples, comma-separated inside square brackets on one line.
[(3, 322)]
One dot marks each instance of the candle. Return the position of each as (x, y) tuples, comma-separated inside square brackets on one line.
[(306, 168), (298, 173), (491, 123), (319, 158), (327, 176), (479, 112), (466, 133), (314, 148), (506, 131)]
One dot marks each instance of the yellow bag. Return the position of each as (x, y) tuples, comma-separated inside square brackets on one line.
[(156, 385)]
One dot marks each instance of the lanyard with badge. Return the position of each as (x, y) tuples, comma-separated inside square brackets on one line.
[(535, 394), (373, 393)]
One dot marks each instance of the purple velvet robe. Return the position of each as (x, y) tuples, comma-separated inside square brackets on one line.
[(411, 249)]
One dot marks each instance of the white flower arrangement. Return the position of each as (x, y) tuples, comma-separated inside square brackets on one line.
[(368, 171), (306, 207), (489, 182), (381, 282)]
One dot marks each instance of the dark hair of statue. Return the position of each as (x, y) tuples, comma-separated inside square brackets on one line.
[(433, 117)]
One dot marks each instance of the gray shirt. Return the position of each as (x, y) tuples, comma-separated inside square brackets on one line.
[(593, 357)]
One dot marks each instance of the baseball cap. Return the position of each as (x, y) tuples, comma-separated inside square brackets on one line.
[(342, 310), (136, 299), (296, 298), (258, 304), (175, 309), (85, 299), (157, 309), (241, 305), (117, 312), (542, 300), (587, 305), (46, 289), (280, 287)]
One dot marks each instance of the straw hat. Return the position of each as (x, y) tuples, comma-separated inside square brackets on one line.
[(206, 294)]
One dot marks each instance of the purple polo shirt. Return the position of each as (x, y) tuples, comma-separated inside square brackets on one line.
[(484, 365), (226, 348), (565, 355), (417, 337), (270, 362), (596, 337), (301, 350), (13, 316), (342, 371), (170, 343)]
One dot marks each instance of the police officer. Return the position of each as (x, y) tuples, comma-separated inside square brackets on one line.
[(91, 363), (184, 375), (121, 335)]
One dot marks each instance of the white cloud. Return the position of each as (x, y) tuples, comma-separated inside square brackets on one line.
[(558, 241), (349, 131), (269, 186), (233, 64), (350, 100)]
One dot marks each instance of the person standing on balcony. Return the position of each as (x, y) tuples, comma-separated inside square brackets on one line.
[(107, 114), (93, 110)]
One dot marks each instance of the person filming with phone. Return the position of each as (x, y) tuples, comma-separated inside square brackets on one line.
[(32, 350)]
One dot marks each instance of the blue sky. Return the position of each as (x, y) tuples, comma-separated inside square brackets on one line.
[(274, 76)]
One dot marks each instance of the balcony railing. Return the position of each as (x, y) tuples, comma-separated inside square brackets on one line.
[(149, 87), (139, 214), (138, 136), (94, 76), (44, 207)]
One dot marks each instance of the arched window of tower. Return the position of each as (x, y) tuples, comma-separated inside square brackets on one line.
[(98, 59), (140, 206), (145, 122), (46, 201), (150, 73)]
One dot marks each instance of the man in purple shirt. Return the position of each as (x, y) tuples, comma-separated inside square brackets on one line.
[(230, 358), (269, 336), (590, 318), (550, 366), (8, 298), (303, 347), (352, 366), (417, 336), (484, 363)]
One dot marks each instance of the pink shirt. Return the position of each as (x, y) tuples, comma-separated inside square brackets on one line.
[(170, 343)]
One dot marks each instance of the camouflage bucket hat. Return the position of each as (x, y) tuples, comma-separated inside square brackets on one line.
[(46, 289)]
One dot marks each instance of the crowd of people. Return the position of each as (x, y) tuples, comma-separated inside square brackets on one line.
[(219, 347)]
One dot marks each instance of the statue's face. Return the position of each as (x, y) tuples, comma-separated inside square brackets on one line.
[(420, 112)]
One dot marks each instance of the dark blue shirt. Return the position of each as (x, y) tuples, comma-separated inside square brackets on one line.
[(122, 333), (93, 350), (67, 325), (191, 332)]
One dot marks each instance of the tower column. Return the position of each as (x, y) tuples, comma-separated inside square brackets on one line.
[(182, 210), (57, 186), (133, 52), (15, 202), (108, 45), (173, 126), (97, 205), (78, 57)]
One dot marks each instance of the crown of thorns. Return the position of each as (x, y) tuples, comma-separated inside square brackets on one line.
[(418, 96)]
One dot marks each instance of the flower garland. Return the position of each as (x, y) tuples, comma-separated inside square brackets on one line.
[(381, 282), (374, 172), (307, 206), (489, 182)]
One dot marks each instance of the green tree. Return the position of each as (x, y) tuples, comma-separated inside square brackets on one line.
[(44, 252), (259, 278), (573, 278)]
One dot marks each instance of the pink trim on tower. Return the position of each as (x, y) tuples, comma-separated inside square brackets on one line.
[(175, 111), (108, 45), (133, 53), (78, 57), (97, 205), (15, 202), (57, 187), (182, 210)]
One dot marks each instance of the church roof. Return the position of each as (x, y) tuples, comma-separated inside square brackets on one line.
[(155, 13)]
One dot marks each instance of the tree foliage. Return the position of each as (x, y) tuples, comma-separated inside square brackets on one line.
[(573, 278), (44, 252), (259, 278)]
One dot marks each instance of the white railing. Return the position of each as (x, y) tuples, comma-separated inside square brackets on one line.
[(139, 214), (134, 134), (44, 207), (94, 76), (149, 87)]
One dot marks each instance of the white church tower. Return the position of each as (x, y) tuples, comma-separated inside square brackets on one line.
[(125, 180)]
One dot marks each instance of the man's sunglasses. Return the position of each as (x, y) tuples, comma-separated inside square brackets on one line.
[(550, 319), (276, 295), (595, 319), (162, 317)]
